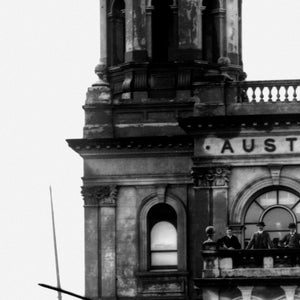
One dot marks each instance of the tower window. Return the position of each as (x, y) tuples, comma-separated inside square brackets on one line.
[(117, 32), (162, 29), (162, 222)]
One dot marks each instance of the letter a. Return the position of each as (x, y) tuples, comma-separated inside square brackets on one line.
[(227, 146)]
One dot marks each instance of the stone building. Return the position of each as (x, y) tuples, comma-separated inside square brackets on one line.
[(175, 139)]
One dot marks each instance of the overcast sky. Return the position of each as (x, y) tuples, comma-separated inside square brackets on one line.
[(48, 50)]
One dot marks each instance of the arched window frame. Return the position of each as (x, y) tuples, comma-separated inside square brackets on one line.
[(115, 16), (242, 200), (144, 231), (267, 209)]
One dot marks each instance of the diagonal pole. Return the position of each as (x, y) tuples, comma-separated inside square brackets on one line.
[(59, 296)]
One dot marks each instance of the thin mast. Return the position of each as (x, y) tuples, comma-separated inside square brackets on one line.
[(59, 296)]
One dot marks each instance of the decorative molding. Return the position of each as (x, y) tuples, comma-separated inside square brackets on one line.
[(178, 142), (140, 80), (214, 176), (275, 171), (99, 195), (99, 92)]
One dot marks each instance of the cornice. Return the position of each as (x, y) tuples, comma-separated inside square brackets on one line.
[(178, 143), (237, 122)]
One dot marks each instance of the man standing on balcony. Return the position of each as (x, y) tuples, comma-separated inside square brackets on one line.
[(260, 239), (229, 241), (292, 239)]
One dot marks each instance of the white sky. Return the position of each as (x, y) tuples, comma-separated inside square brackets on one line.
[(48, 50)]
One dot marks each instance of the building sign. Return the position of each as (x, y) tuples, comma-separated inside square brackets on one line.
[(251, 145)]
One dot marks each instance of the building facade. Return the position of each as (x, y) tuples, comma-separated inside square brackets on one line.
[(175, 139)]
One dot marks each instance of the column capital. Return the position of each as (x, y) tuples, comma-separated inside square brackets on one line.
[(99, 195), (211, 176)]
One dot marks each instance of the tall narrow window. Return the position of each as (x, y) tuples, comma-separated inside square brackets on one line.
[(162, 29), (163, 249), (117, 32)]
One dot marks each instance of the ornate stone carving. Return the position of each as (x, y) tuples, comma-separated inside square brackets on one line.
[(275, 171), (216, 176), (100, 91), (99, 195)]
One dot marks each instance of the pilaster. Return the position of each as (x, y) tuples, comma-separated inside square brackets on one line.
[(214, 181), (100, 241)]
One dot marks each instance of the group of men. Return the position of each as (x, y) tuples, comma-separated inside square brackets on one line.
[(260, 239)]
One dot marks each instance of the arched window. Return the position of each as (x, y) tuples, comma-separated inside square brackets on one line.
[(162, 29), (162, 223), (276, 208), (117, 32), (162, 235)]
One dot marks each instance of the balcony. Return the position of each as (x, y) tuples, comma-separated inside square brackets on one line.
[(247, 98), (262, 263)]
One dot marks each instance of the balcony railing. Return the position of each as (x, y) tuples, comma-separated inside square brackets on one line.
[(268, 91), (251, 263)]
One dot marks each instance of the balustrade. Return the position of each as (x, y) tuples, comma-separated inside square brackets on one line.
[(251, 263), (269, 91)]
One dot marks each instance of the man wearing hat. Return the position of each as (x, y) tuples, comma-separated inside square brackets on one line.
[(229, 241), (292, 239), (260, 239)]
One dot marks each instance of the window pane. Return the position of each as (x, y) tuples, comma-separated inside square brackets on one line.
[(278, 234), (267, 199), (253, 213), (296, 210), (164, 259), (277, 219), (287, 198), (163, 236), (250, 229)]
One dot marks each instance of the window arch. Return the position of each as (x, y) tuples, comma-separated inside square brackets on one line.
[(117, 32), (162, 223), (158, 219), (276, 207)]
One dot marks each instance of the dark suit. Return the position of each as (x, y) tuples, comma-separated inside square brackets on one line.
[(291, 240), (229, 242), (260, 241)]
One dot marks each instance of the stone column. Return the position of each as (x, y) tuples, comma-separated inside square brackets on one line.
[(233, 28), (103, 32), (190, 29), (100, 235), (215, 181), (219, 178), (199, 209), (219, 15)]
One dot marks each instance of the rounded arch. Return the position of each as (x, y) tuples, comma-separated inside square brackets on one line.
[(116, 5), (243, 199), (178, 206)]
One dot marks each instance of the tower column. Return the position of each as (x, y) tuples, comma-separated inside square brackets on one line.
[(219, 16), (103, 32)]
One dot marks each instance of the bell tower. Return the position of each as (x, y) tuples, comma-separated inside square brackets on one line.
[(159, 59), (155, 51)]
